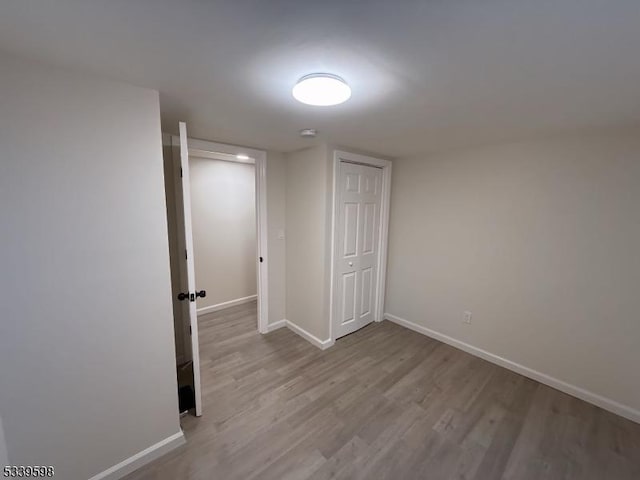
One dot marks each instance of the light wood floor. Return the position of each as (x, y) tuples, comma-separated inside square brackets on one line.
[(384, 402)]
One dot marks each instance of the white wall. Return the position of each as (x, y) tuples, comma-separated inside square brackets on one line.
[(540, 241), (308, 239), (276, 192), (86, 339), (4, 457), (223, 213)]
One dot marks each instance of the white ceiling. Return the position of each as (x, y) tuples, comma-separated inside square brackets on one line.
[(426, 74)]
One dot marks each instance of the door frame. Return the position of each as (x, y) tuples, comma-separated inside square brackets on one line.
[(342, 156), (218, 151)]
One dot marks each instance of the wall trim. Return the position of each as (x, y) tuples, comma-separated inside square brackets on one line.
[(321, 344), (142, 458), (275, 326), (223, 305), (573, 390)]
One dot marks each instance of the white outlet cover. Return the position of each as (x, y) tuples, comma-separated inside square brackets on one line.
[(467, 316)]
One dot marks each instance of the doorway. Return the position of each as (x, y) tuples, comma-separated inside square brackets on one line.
[(224, 230), (201, 293)]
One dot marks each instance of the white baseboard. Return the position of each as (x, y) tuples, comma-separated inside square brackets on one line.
[(321, 344), (223, 305), (593, 398), (275, 326), (141, 458)]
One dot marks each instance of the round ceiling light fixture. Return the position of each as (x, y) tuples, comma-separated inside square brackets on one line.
[(321, 90)]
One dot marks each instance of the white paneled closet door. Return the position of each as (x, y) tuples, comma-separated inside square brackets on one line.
[(358, 234)]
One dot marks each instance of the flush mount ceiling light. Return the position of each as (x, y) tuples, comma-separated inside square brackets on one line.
[(322, 90)]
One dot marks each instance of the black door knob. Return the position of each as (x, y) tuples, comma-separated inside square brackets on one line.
[(183, 296), (201, 294)]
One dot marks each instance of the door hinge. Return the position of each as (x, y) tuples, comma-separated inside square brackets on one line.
[(186, 255), (190, 330), (180, 172), (261, 259)]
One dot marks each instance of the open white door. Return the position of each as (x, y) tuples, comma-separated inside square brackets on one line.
[(189, 297)]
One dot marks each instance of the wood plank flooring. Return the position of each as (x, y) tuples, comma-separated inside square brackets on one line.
[(383, 403)]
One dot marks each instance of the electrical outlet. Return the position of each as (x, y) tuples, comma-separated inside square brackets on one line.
[(467, 317)]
